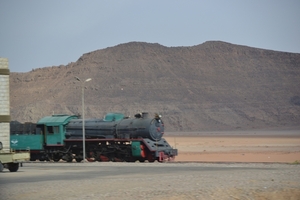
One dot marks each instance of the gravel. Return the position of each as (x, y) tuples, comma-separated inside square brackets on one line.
[(151, 181)]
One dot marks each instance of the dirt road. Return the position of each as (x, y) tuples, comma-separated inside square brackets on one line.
[(263, 165)]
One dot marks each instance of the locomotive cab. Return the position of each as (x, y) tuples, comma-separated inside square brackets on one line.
[(54, 128)]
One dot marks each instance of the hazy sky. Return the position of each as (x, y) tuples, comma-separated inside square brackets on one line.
[(37, 33)]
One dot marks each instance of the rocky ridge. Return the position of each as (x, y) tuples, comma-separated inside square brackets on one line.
[(211, 86)]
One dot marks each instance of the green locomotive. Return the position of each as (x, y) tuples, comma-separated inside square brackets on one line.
[(114, 138)]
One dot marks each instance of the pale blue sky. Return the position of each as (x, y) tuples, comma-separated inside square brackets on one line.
[(40, 33)]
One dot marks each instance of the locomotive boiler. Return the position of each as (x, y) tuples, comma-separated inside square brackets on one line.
[(116, 125)]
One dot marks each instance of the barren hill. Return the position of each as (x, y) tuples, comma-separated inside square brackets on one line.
[(211, 86)]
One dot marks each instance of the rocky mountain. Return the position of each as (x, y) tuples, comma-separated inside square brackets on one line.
[(211, 86)]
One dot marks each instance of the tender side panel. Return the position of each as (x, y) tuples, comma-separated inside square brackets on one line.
[(27, 142)]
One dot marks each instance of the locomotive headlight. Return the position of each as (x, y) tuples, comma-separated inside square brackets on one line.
[(1, 146)]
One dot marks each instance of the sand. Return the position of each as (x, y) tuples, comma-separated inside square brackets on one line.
[(258, 146)]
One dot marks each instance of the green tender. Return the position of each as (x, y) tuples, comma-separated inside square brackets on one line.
[(26, 142)]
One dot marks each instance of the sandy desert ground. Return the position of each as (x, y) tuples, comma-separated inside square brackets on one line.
[(238, 146)]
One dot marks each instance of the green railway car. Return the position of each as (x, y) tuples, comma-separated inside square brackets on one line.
[(44, 140), (26, 142)]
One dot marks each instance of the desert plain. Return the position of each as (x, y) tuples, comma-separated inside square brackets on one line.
[(264, 146)]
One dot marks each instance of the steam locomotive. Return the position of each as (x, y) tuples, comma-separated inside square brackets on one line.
[(113, 138)]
